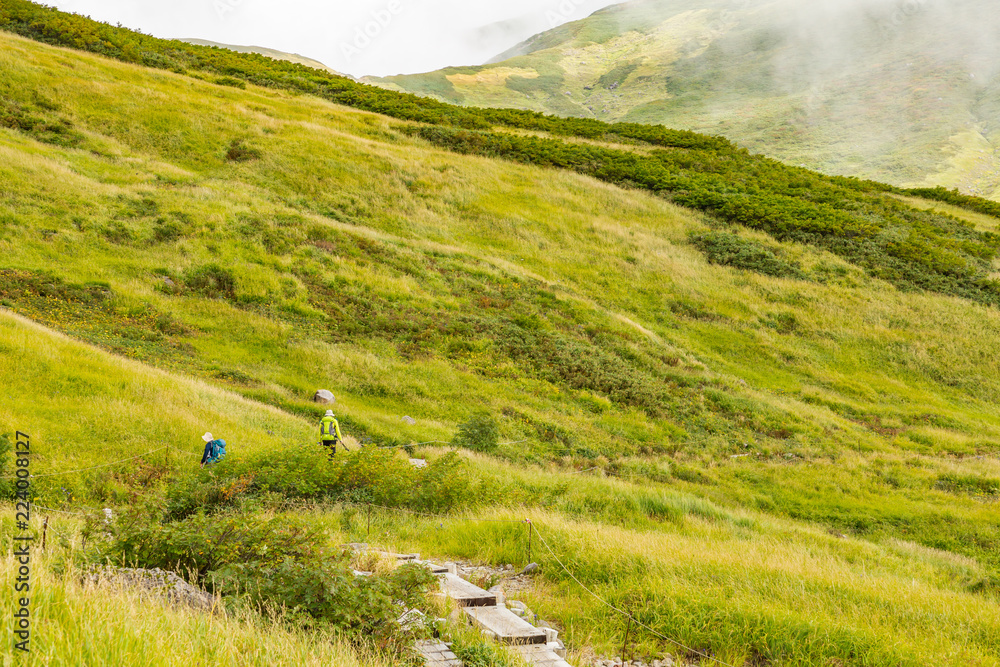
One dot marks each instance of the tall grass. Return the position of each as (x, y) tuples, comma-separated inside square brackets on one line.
[(76, 624), (778, 593)]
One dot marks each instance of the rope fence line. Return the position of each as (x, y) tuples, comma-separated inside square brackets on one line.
[(622, 611), (103, 465), (183, 451), (52, 509), (443, 442), (431, 515)]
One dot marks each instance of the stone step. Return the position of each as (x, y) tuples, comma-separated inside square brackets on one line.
[(437, 654), (464, 593), (399, 557), (540, 655), (433, 567), (508, 627)]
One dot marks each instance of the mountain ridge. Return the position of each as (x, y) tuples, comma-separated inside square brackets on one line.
[(846, 92), (265, 51)]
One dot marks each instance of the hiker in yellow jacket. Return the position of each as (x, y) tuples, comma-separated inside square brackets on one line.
[(329, 432)]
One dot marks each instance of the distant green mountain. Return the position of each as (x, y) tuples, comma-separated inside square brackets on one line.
[(903, 92), (270, 53)]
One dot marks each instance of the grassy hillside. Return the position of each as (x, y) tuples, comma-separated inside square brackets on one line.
[(741, 584), (215, 254), (898, 92), (80, 625)]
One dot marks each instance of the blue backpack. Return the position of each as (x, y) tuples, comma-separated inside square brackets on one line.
[(214, 451)]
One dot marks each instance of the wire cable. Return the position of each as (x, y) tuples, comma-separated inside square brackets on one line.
[(103, 465), (52, 509)]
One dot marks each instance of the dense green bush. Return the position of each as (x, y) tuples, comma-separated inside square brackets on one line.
[(329, 593), (238, 151), (370, 475), (956, 198), (200, 543), (276, 564), (730, 249), (480, 434), (210, 280)]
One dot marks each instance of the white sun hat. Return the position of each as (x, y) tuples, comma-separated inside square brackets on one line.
[(329, 413), (207, 437)]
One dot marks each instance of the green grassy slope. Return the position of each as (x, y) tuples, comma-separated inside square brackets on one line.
[(259, 244), (742, 584), (903, 93), (417, 282), (80, 625)]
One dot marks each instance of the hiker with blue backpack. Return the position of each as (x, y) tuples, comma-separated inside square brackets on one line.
[(215, 450)]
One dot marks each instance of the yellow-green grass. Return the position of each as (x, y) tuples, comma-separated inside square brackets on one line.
[(83, 407), (750, 587), (704, 574), (76, 624), (838, 366)]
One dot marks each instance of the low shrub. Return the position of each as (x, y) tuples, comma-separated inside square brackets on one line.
[(211, 280), (273, 564), (239, 152), (198, 544), (728, 249), (480, 434), (329, 593)]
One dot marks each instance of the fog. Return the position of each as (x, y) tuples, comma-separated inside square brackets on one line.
[(359, 37), (840, 34)]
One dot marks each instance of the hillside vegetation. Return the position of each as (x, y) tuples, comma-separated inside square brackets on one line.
[(783, 433), (902, 92)]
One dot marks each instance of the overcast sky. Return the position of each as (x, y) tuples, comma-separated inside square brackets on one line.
[(403, 36)]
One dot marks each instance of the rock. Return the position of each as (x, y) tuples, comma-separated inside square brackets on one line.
[(324, 397), (559, 648), (168, 282), (411, 620), (409, 420), (498, 591), (517, 605), (530, 568), (418, 463), (156, 582)]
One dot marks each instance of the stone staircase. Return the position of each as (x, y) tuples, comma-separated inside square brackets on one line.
[(539, 647)]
